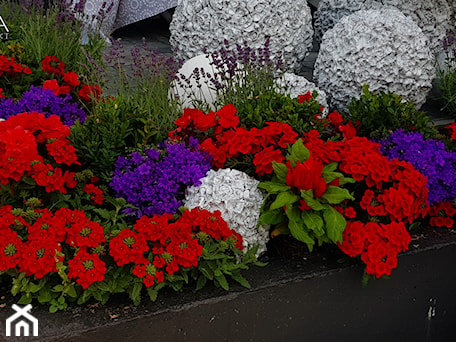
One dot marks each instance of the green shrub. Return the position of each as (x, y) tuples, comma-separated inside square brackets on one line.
[(380, 114)]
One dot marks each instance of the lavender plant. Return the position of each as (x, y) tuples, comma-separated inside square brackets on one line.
[(51, 28), (430, 157), (44, 101), (447, 73), (154, 180)]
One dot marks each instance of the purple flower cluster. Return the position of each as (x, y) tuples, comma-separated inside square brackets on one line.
[(429, 157), (155, 181), (43, 101)]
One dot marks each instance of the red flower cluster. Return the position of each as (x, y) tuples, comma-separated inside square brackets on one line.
[(67, 81), (9, 67), (307, 176), (53, 65), (172, 244), (378, 244), (441, 215), (228, 140), (97, 193), (393, 189), (20, 137), (40, 249), (89, 92)]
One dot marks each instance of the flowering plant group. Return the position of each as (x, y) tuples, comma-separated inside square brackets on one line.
[(202, 205)]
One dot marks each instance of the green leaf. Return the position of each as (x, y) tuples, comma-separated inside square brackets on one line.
[(241, 280), (330, 176), (336, 195), (271, 217), (330, 167), (297, 227), (273, 187), (298, 153), (345, 180), (44, 296), (202, 280), (284, 198), (280, 171), (135, 293), (71, 291), (307, 195), (314, 222), (153, 293), (33, 288), (25, 299), (335, 224), (106, 214), (53, 309), (221, 280)]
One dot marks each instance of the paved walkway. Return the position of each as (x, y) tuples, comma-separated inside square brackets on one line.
[(156, 33)]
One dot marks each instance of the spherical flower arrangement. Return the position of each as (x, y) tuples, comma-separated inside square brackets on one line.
[(430, 157), (154, 180), (382, 48), (295, 85), (236, 196), (206, 24), (433, 17)]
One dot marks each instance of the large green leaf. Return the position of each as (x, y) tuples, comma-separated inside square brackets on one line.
[(280, 170), (335, 224), (271, 217), (273, 187), (330, 167), (314, 222), (286, 198), (297, 227), (336, 195), (298, 153), (307, 195)]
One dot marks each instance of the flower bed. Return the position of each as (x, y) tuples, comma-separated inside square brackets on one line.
[(101, 199)]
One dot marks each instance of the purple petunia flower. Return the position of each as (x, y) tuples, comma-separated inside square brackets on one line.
[(43, 101), (155, 181), (430, 157)]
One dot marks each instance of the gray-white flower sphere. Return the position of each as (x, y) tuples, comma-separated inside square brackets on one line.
[(236, 196), (382, 48), (294, 85), (199, 24), (433, 17)]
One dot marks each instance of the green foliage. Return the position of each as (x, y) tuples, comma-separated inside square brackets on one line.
[(283, 206), (447, 86), (255, 111), (380, 114), (45, 32)]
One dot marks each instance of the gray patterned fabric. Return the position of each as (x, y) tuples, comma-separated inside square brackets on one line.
[(118, 13)]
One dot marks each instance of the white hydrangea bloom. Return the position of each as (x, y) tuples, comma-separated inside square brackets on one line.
[(236, 196), (294, 85), (433, 17), (197, 24), (382, 48)]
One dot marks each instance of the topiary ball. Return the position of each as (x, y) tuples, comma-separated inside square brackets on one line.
[(381, 48)]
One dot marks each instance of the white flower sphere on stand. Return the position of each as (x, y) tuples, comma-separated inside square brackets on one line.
[(236, 196), (433, 17), (193, 84), (294, 85), (382, 48), (199, 24)]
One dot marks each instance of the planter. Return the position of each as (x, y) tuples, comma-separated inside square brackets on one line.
[(313, 297)]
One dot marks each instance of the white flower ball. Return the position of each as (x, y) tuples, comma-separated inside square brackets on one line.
[(382, 48), (236, 196), (294, 85), (200, 24), (432, 16)]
